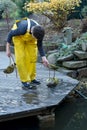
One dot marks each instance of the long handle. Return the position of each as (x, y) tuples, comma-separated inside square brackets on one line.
[(49, 73), (12, 58)]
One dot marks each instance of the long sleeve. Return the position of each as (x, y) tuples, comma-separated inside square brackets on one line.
[(40, 48)]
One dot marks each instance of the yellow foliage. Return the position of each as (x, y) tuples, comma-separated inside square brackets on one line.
[(54, 9)]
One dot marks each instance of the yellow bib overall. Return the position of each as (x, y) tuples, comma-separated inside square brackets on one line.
[(25, 47)]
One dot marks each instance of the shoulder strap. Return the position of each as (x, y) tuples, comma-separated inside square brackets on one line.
[(34, 22), (30, 21), (28, 27)]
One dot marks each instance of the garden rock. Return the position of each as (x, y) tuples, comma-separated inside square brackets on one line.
[(52, 58), (81, 54), (74, 64)]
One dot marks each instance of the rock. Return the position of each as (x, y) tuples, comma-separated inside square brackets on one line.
[(65, 58), (81, 54), (74, 64), (84, 46), (52, 58), (82, 72)]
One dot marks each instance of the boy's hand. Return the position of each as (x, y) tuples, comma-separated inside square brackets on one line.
[(45, 61)]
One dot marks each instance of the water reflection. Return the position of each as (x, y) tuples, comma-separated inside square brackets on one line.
[(31, 97)]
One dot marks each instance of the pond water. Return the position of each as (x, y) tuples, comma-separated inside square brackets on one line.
[(70, 115)]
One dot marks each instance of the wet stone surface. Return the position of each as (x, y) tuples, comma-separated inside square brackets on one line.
[(15, 99)]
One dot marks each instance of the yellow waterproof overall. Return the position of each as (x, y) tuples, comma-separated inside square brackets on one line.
[(25, 47)]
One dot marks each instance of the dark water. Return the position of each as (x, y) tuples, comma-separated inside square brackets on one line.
[(70, 115)]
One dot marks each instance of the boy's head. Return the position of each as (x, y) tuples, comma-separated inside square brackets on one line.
[(38, 32)]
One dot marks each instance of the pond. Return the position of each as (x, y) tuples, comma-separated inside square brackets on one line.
[(70, 115)]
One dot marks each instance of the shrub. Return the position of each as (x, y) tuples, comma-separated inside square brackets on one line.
[(55, 10)]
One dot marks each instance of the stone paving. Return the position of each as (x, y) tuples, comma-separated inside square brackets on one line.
[(15, 101)]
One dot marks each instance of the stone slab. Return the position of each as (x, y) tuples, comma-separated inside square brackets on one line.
[(15, 102)]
